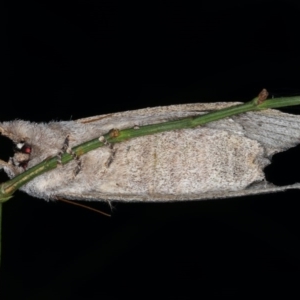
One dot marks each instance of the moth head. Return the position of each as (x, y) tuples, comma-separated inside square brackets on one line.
[(22, 154), (22, 147)]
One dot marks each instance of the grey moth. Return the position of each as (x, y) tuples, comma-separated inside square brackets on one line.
[(222, 159)]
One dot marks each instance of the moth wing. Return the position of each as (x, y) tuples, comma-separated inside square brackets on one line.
[(152, 115), (275, 130), (161, 110), (255, 189)]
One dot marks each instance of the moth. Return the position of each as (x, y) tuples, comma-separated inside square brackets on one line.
[(222, 159)]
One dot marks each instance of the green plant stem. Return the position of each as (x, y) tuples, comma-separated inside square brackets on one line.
[(0, 231), (8, 188)]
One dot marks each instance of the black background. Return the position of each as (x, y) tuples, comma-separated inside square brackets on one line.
[(69, 61)]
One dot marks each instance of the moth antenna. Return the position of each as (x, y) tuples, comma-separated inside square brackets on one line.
[(84, 206)]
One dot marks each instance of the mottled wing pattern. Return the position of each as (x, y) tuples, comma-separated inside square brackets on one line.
[(275, 130)]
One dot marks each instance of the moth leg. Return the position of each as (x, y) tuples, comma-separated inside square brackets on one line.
[(67, 149), (110, 205), (63, 150), (112, 155), (111, 148)]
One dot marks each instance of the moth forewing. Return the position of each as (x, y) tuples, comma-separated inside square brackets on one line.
[(222, 159)]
